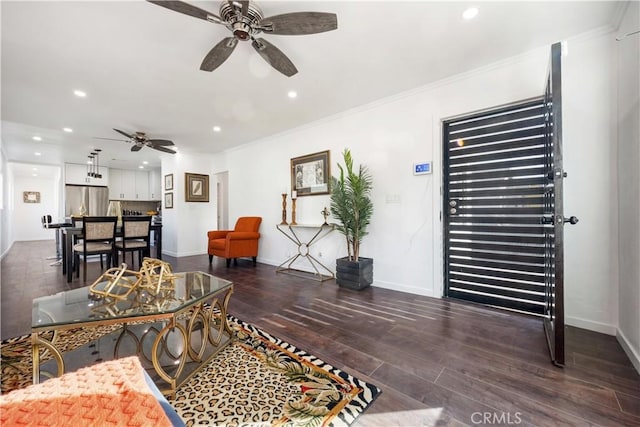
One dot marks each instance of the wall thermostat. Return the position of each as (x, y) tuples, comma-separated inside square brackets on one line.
[(422, 168)]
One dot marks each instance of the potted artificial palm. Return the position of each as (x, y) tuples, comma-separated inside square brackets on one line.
[(352, 206)]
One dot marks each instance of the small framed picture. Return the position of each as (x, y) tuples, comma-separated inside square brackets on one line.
[(168, 200), (196, 187), (168, 182), (31, 196), (310, 174)]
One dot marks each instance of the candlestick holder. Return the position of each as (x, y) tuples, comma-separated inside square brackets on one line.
[(284, 209), (325, 213), (293, 212)]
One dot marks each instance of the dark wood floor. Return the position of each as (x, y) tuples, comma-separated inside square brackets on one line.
[(437, 361)]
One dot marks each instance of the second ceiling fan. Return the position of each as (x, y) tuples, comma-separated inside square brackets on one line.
[(140, 140), (244, 19)]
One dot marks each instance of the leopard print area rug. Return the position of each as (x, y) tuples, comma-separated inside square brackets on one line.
[(259, 380)]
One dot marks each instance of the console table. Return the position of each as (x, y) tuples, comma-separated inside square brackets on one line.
[(174, 334), (322, 273)]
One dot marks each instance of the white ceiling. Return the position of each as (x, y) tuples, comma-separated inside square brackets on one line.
[(139, 64)]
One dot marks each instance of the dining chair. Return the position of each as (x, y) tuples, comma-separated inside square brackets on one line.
[(136, 237), (76, 222), (99, 236)]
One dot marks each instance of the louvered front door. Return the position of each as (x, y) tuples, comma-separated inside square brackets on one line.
[(553, 217)]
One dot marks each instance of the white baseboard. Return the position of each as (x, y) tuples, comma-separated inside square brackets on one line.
[(182, 254), (632, 353), (590, 325), (404, 288), (7, 251), (267, 261)]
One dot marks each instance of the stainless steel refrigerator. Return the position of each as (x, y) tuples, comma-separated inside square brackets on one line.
[(93, 200)]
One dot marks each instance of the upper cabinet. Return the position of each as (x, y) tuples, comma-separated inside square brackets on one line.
[(132, 185), (77, 174), (142, 185), (155, 184), (122, 184)]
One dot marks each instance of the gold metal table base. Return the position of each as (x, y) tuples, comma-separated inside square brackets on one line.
[(202, 328), (321, 272)]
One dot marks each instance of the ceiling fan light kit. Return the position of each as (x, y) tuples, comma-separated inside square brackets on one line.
[(245, 20)]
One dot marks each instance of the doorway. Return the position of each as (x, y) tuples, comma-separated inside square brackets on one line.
[(222, 200), (503, 208), (494, 185)]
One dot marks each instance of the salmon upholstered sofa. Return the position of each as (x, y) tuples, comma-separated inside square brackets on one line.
[(240, 242)]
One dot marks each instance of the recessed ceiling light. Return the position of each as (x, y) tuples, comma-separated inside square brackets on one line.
[(292, 94), (34, 169), (140, 167), (145, 162), (34, 174), (37, 138), (217, 128), (68, 130), (470, 13), (80, 93), (37, 154)]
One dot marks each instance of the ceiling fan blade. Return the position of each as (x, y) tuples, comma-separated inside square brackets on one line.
[(300, 23), (160, 142), (123, 133), (112, 139), (218, 54), (136, 147), (187, 9), (163, 149), (274, 57)]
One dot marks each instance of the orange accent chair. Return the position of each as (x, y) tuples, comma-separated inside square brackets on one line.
[(242, 241)]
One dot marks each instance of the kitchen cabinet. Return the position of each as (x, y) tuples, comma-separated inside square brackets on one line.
[(142, 185), (128, 185), (155, 184), (77, 174), (122, 184)]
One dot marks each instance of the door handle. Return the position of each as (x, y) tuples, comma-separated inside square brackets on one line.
[(572, 220)]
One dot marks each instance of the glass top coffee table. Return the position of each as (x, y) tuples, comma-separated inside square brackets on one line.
[(174, 332)]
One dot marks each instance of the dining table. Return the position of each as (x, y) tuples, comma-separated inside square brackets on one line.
[(69, 233)]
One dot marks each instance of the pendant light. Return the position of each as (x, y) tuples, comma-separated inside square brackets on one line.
[(97, 173)]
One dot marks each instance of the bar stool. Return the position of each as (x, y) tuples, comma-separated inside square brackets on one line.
[(48, 224)]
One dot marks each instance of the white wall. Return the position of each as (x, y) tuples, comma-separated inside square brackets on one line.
[(29, 227), (590, 159), (184, 228), (6, 208), (628, 62), (392, 134)]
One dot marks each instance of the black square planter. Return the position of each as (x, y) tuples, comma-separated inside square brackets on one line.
[(354, 274)]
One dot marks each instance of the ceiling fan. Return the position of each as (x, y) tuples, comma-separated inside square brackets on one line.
[(245, 19), (140, 139)]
